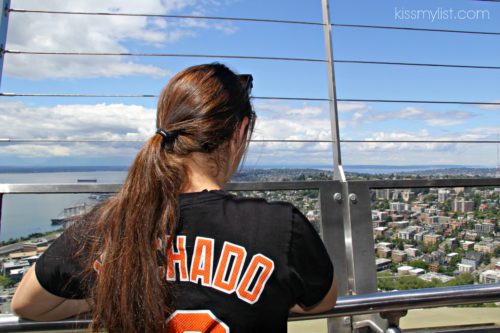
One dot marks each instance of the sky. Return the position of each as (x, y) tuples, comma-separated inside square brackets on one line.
[(117, 119)]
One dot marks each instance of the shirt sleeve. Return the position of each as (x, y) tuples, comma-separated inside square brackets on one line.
[(310, 267), (59, 269)]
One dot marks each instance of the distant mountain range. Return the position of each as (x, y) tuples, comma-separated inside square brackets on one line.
[(484, 171)]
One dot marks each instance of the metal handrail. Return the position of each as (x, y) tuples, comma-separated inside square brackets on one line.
[(257, 186), (409, 299), (346, 306)]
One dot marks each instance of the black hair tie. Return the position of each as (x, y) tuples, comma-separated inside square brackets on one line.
[(168, 137)]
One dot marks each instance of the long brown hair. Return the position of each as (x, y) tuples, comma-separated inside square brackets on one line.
[(200, 108)]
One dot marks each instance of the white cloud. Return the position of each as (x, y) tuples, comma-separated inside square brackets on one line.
[(364, 114), (305, 111), (110, 34), (353, 106), (447, 118), (75, 121), (491, 107), (277, 121), (282, 121)]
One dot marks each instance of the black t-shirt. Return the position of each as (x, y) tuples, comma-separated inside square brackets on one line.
[(237, 262)]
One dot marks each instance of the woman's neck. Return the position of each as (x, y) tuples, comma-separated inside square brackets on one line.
[(201, 176)]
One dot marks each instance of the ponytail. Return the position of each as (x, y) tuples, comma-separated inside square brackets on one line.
[(129, 294)]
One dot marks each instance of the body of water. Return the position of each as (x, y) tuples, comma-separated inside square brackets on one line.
[(24, 214)]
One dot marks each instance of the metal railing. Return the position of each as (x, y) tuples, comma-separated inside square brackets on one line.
[(350, 246), (383, 303)]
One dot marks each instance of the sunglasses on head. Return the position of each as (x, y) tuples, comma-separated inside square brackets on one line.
[(247, 82)]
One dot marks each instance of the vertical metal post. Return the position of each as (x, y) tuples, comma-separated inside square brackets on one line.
[(340, 200), (1, 198), (332, 224), (360, 248), (4, 23), (333, 232), (332, 93)]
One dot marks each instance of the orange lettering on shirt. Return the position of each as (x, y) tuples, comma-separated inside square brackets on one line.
[(226, 277), (178, 258), (195, 321), (202, 262), (267, 267)]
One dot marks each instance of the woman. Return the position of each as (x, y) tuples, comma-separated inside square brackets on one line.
[(172, 251)]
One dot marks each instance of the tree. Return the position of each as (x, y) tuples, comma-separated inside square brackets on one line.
[(461, 280), (6, 282), (419, 264)]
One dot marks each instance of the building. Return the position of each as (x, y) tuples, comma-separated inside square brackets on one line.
[(433, 219), (419, 236), (398, 256), (450, 256), (379, 231), (383, 194), (406, 234), (456, 224), (395, 194), (490, 276), (383, 216), (443, 219), (467, 245), (431, 239), (485, 247), (397, 206), (430, 276), (22, 255), (470, 235), (484, 228), (462, 205), (418, 208), (417, 271), (407, 195), (378, 224), (14, 269), (399, 224), (464, 268), (448, 243), (384, 244), (443, 195), (412, 252), (430, 211), (404, 270), (384, 252), (397, 217), (382, 264), (34, 244), (473, 259)]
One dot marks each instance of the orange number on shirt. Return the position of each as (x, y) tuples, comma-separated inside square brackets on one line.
[(202, 321)]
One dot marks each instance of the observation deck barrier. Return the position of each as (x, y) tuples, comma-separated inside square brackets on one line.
[(346, 227), (345, 206), (346, 306)]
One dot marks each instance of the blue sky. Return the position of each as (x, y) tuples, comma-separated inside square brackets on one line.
[(133, 118)]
